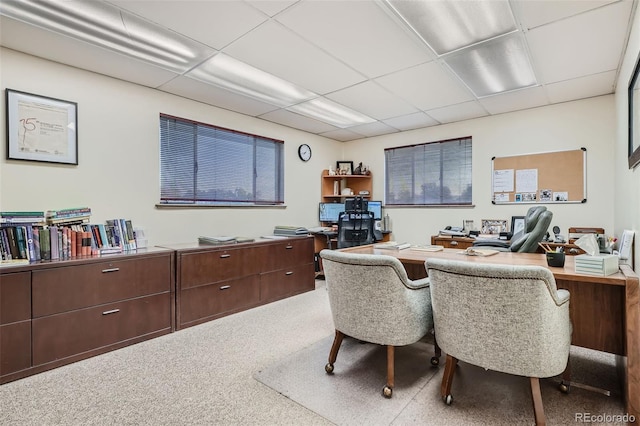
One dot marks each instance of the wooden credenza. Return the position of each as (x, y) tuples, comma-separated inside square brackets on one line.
[(218, 280), (55, 313), (452, 242)]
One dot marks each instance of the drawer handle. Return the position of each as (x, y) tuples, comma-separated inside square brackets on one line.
[(222, 256), (225, 287), (104, 271), (454, 243), (113, 311), (289, 273), (289, 247)]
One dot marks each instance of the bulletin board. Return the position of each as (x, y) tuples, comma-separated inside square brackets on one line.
[(549, 177)]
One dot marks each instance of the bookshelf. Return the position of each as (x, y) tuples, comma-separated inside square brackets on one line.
[(357, 183)]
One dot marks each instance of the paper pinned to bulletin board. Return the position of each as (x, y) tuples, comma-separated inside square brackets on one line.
[(549, 177)]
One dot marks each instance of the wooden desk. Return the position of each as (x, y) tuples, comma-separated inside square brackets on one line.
[(604, 311)]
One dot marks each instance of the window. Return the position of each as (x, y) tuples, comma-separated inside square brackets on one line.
[(435, 173), (201, 164)]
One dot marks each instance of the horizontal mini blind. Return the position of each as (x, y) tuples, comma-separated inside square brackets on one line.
[(435, 173), (205, 164)]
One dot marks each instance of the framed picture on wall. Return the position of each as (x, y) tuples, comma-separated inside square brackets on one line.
[(40, 128)]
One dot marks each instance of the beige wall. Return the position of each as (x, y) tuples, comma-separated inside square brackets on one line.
[(587, 123), (627, 182), (118, 175), (118, 171)]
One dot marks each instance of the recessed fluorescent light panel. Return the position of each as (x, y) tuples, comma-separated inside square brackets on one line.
[(501, 65), (331, 112), (447, 26), (104, 25), (226, 72)]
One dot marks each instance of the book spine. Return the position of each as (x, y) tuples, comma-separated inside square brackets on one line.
[(45, 245), (31, 248), (36, 242)]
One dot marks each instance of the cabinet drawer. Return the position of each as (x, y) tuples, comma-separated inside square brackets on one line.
[(286, 254), (15, 347), (15, 297), (63, 335), (215, 299), (287, 282), (67, 288), (216, 265)]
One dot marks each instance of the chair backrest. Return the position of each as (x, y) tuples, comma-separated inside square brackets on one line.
[(355, 228), (372, 299), (536, 225), (506, 318)]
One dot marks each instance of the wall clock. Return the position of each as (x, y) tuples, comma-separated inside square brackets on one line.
[(304, 152)]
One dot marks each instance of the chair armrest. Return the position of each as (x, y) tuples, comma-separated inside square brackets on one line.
[(563, 296), (418, 284)]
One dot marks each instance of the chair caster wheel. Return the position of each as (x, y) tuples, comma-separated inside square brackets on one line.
[(435, 361), (565, 387), (328, 368), (387, 392), (447, 399)]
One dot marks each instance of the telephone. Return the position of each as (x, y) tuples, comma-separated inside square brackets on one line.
[(453, 228)]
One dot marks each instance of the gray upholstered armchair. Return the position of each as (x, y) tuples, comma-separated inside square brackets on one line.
[(536, 223), (505, 318), (373, 300)]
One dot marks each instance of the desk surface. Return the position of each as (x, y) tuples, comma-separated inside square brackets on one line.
[(566, 273), (602, 309)]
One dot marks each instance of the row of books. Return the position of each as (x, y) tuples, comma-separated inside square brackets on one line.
[(52, 242), (52, 217)]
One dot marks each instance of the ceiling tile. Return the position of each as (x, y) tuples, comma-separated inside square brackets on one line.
[(66, 50), (463, 111), (342, 135), (271, 7), (535, 13), (359, 33), (279, 51), (426, 86), (372, 100), (373, 129), (411, 121), (214, 23), (297, 121), (212, 95), (584, 87), (514, 101), (589, 43)]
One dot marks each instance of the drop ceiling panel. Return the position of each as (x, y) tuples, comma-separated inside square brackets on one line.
[(515, 101), (426, 86), (342, 135), (411, 121), (358, 33), (372, 100), (584, 87), (535, 13), (297, 121), (465, 110), (212, 95), (272, 7), (214, 23), (279, 51), (373, 129), (66, 50), (586, 44)]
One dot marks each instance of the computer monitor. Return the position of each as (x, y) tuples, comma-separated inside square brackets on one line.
[(376, 208), (329, 212)]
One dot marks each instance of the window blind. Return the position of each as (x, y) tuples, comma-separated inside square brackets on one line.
[(210, 165), (434, 173)]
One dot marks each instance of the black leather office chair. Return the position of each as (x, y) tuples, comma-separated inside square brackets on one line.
[(355, 224), (536, 223)]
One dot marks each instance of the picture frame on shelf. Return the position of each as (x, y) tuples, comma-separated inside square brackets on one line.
[(634, 116), (344, 167), (40, 128), (493, 226), (517, 224)]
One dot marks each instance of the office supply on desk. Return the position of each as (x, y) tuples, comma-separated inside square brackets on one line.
[(598, 264), (216, 240), (555, 258), (537, 348), (427, 248), (290, 231), (392, 245), (475, 251), (378, 282)]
